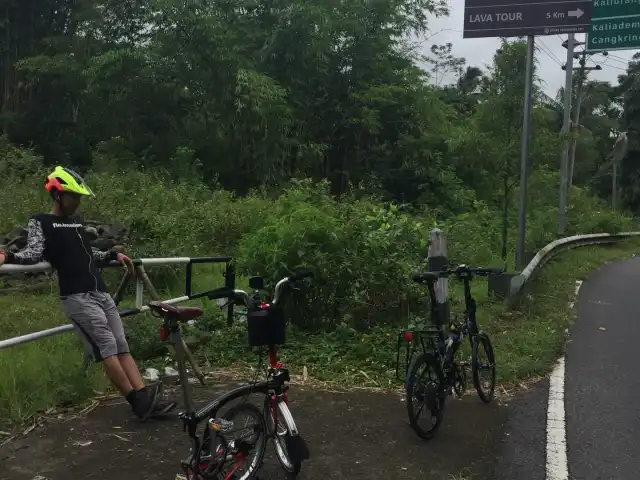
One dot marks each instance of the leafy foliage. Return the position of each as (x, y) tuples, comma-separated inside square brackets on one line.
[(193, 120), (356, 248), (293, 133), (255, 93)]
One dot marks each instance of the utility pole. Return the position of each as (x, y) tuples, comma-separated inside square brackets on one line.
[(524, 154), (569, 147), (620, 149), (564, 160), (576, 118), (614, 186)]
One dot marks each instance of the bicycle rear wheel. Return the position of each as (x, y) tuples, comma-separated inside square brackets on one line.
[(482, 348), (425, 391), (239, 453)]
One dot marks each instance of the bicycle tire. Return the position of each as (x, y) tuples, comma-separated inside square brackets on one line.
[(260, 445), (428, 360), (482, 339), (290, 446)]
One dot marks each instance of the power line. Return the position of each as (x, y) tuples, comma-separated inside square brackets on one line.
[(608, 65), (549, 52), (613, 55), (618, 68), (619, 60), (551, 57)]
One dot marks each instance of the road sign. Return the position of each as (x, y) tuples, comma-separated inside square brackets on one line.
[(615, 25), (517, 18)]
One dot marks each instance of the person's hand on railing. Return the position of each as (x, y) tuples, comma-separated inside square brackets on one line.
[(123, 260), (3, 257)]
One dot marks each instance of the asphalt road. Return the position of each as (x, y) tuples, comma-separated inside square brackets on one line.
[(602, 381), (351, 435)]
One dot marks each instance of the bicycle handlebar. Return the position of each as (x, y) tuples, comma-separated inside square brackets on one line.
[(459, 271), (482, 272), (246, 298)]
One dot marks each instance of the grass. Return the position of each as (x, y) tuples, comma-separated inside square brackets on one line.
[(531, 337), (527, 339)]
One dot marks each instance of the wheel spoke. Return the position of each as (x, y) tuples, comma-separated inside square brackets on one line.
[(424, 382)]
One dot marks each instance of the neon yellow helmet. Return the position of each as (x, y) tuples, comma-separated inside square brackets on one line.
[(64, 179)]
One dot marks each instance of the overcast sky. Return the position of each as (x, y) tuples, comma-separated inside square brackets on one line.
[(479, 51)]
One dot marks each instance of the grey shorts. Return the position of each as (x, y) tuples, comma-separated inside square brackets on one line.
[(97, 321)]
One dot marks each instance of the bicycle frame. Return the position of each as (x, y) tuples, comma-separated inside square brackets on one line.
[(274, 388), (470, 304)]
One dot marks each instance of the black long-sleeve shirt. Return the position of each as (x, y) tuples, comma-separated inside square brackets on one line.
[(63, 242)]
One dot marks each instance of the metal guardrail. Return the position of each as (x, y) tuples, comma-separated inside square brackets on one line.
[(142, 283), (519, 282)]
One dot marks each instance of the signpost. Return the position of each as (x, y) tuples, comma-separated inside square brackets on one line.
[(517, 18), (615, 25)]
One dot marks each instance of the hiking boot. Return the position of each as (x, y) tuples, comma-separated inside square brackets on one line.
[(144, 402)]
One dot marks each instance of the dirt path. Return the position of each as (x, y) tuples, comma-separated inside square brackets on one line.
[(355, 435)]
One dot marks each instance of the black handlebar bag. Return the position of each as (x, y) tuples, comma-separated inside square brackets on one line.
[(266, 326)]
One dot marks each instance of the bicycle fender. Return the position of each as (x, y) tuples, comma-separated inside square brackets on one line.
[(285, 414)]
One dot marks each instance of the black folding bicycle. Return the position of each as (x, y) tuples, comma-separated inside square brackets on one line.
[(431, 370)]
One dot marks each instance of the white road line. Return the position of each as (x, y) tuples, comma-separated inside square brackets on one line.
[(557, 465), (557, 468)]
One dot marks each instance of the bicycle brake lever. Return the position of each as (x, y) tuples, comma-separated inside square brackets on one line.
[(224, 305)]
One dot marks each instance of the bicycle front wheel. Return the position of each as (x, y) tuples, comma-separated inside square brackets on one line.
[(289, 445), (483, 361), (425, 395)]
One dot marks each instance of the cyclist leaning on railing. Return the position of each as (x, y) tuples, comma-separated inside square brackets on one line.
[(60, 239)]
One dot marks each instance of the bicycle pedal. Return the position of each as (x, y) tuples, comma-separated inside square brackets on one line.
[(221, 425)]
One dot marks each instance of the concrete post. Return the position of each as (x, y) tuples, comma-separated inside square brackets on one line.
[(437, 260)]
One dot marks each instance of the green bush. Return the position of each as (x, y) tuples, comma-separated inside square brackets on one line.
[(475, 237), (361, 254), (173, 218), (361, 249), (585, 212), (18, 163)]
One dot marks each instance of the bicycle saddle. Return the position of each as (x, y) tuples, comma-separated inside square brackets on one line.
[(183, 314)]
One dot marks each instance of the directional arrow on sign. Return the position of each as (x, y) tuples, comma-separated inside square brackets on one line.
[(576, 13)]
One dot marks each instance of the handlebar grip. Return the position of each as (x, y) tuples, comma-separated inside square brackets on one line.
[(490, 271), (300, 275)]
